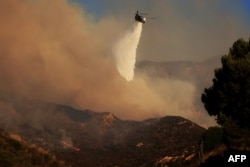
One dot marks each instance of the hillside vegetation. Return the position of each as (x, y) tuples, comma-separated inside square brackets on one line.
[(87, 138), (16, 153)]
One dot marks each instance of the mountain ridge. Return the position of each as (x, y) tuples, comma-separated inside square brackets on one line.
[(84, 137), (186, 70)]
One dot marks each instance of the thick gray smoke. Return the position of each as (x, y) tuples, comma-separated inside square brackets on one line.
[(125, 52), (59, 55)]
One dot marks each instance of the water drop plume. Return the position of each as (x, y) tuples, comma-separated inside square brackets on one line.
[(125, 52)]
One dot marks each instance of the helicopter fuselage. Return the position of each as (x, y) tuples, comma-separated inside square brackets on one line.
[(140, 18)]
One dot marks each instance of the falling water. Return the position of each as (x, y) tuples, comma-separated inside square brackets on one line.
[(125, 52)]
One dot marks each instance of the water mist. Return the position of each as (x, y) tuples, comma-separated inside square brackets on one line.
[(125, 52)]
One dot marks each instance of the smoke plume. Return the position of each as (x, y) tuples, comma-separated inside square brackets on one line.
[(125, 52), (54, 51)]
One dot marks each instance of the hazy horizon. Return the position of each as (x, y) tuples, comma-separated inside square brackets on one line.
[(61, 51)]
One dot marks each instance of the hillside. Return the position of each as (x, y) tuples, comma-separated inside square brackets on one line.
[(87, 138), (198, 74), (17, 153)]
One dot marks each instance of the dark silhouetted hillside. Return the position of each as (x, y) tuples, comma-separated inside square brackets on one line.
[(16, 153), (87, 138)]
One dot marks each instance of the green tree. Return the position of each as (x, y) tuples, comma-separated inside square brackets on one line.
[(229, 97), (212, 138)]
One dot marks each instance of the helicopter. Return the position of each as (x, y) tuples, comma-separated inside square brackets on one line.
[(139, 17)]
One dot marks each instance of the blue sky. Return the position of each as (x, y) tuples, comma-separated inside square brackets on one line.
[(246, 4), (98, 7), (184, 29)]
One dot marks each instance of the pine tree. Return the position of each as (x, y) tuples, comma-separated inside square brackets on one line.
[(229, 97)]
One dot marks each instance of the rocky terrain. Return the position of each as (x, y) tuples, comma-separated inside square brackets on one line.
[(87, 138), (18, 153)]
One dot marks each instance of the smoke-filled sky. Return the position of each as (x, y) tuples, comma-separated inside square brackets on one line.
[(189, 30), (60, 51)]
